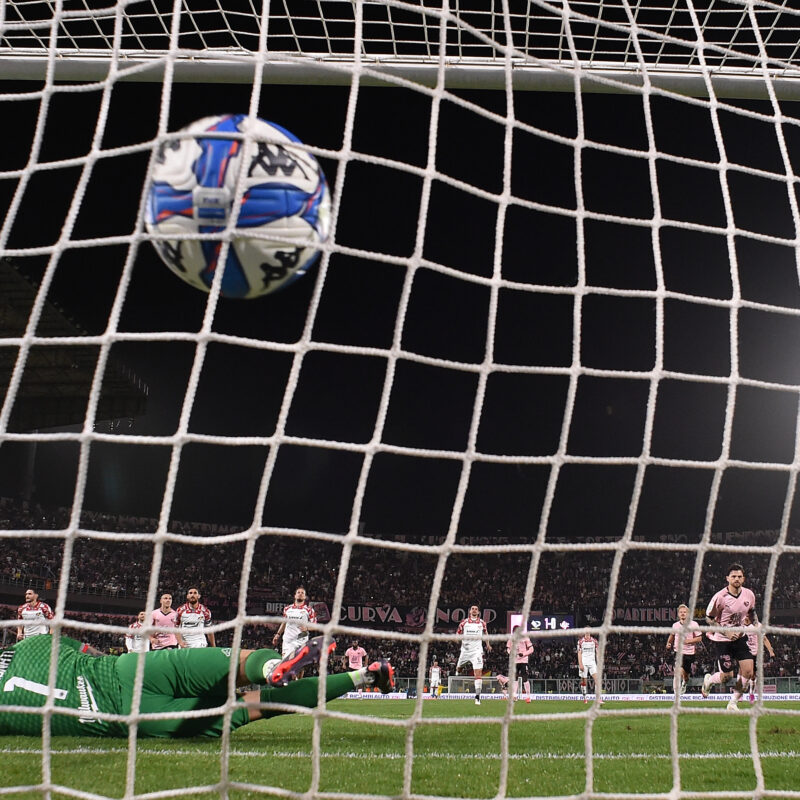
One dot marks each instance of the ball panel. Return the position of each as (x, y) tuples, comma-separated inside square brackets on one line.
[(283, 218)]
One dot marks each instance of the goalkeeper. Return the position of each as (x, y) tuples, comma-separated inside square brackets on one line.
[(174, 681)]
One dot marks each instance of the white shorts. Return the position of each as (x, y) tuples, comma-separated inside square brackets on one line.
[(588, 669), (476, 660), (288, 646)]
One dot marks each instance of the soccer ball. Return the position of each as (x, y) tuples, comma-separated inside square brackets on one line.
[(283, 218)]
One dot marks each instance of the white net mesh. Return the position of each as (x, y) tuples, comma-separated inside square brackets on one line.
[(546, 362)]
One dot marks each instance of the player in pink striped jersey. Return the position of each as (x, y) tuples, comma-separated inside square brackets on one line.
[(752, 643), (355, 655), (163, 618), (730, 608), (521, 650)]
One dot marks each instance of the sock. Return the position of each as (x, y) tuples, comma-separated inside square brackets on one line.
[(478, 687), (258, 665), (359, 677), (716, 677), (583, 687), (527, 687), (303, 692)]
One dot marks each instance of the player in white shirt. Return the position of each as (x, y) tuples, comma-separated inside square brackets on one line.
[(137, 642), (435, 679), (294, 628), (588, 648), (472, 629), (192, 618), (32, 615), (685, 634)]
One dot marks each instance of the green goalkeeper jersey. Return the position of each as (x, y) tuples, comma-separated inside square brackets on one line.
[(83, 682)]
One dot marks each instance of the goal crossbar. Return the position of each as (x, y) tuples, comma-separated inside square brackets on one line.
[(728, 82)]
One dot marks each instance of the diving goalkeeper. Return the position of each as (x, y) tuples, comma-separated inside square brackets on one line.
[(174, 681)]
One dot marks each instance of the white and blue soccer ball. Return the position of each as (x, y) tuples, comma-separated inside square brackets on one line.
[(279, 226)]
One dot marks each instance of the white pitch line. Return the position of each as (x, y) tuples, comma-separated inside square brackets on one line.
[(401, 756)]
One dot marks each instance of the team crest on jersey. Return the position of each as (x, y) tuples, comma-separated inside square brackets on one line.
[(226, 651)]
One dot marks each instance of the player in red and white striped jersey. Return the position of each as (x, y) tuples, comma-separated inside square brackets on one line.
[(32, 615), (472, 629), (136, 642), (588, 649), (191, 618), (294, 628)]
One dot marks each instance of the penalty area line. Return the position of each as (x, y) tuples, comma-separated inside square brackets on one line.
[(94, 751)]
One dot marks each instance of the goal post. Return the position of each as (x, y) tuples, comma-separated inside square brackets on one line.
[(545, 364)]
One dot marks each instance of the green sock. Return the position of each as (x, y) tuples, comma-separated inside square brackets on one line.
[(254, 664), (303, 692)]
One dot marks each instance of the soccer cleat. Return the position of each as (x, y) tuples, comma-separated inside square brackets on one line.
[(527, 699), (305, 655), (380, 675), (706, 687), (477, 701), (751, 697), (732, 705)]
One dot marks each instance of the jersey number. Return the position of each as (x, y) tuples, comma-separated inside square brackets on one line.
[(32, 686)]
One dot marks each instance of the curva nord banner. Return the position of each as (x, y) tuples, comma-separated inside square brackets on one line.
[(399, 617)]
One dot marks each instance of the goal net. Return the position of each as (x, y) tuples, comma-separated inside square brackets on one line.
[(547, 363)]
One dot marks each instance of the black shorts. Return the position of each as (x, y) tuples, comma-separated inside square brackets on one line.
[(688, 662), (730, 653), (522, 671)]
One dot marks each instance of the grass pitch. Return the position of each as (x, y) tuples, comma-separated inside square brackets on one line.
[(457, 752)]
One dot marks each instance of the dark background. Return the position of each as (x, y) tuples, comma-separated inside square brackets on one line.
[(582, 299)]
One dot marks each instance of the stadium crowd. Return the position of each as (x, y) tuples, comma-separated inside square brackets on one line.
[(573, 582)]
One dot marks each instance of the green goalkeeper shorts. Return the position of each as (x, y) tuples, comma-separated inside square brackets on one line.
[(177, 681)]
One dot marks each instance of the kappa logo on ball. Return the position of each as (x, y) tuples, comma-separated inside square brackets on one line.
[(274, 234)]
